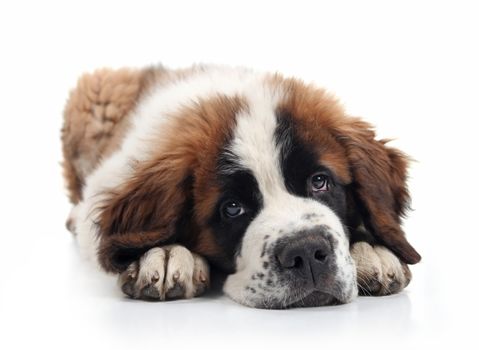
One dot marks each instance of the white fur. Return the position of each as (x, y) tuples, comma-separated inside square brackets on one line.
[(379, 264), (166, 267), (182, 263), (152, 265), (150, 116), (255, 145)]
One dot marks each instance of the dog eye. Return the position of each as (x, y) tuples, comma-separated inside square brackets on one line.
[(319, 182), (232, 209)]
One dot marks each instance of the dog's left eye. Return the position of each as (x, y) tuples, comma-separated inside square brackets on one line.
[(319, 182), (232, 209)]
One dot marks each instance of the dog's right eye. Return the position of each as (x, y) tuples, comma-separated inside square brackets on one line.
[(319, 182), (232, 209)]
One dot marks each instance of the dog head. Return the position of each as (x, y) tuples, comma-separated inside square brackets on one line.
[(268, 183)]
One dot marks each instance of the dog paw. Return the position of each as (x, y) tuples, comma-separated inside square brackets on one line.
[(170, 272), (379, 271)]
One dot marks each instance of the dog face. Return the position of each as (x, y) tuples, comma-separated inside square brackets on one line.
[(288, 209), (281, 211), (267, 182)]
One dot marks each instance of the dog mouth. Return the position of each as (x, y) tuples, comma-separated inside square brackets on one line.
[(291, 294), (315, 298)]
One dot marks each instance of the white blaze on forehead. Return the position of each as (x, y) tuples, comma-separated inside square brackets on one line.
[(256, 149), (254, 141)]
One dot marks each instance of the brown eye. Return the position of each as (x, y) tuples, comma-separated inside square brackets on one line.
[(232, 209), (319, 182)]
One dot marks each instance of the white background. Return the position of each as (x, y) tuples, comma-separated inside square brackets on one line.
[(411, 68)]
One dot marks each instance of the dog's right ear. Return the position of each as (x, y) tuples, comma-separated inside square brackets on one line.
[(142, 213), (153, 206)]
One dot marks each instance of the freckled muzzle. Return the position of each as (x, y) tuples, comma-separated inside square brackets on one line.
[(294, 258), (301, 269)]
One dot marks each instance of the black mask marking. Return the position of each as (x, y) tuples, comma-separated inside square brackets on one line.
[(239, 185), (300, 161)]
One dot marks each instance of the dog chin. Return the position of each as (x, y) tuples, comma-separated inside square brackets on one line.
[(313, 299), (316, 298)]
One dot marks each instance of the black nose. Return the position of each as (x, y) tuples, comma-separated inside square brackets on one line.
[(306, 255)]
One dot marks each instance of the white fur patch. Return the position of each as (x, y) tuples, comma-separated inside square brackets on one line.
[(255, 145)]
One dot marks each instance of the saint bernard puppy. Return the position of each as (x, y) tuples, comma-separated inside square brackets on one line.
[(266, 178)]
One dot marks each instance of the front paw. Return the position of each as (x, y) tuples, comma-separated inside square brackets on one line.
[(170, 272), (379, 271)]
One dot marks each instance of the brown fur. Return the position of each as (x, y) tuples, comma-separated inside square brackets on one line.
[(96, 117), (145, 211), (348, 145), (153, 207), (94, 121)]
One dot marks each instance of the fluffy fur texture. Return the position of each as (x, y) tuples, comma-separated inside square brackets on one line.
[(170, 171)]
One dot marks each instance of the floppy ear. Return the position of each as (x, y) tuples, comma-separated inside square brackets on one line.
[(142, 213), (379, 185)]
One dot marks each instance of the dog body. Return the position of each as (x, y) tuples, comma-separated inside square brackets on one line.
[(263, 177)]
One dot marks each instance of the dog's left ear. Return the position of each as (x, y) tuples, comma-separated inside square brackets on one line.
[(379, 185)]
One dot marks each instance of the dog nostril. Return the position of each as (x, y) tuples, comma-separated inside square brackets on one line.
[(320, 256), (298, 262)]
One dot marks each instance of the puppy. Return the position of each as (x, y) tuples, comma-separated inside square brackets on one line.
[(261, 176)]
